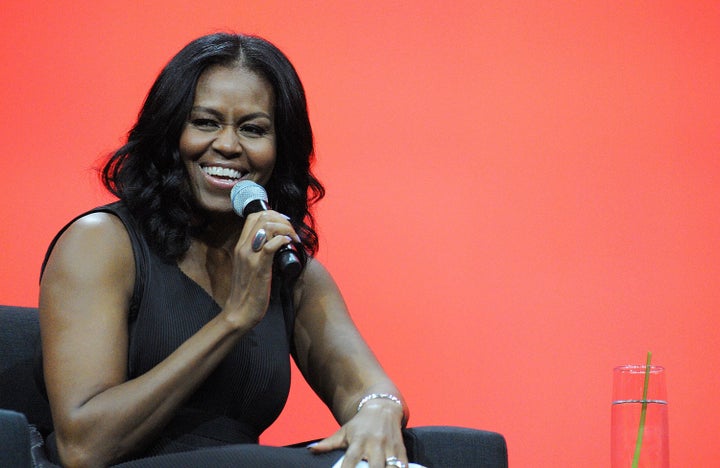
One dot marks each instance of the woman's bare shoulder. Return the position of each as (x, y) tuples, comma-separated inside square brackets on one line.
[(313, 278), (94, 250)]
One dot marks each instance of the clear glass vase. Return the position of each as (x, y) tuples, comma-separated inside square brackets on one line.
[(627, 408)]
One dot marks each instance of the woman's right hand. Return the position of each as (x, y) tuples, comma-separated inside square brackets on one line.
[(249, 294)]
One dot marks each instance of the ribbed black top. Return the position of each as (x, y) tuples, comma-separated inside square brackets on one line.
[(249, 388)]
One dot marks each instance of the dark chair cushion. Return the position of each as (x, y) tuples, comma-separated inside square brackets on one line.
[(19, 339), (15, 437)]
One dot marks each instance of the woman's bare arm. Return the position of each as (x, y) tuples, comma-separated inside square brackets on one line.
[(342, 369)]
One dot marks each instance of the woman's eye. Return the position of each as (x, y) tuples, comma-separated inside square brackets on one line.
[(205, 124), (253, 130)]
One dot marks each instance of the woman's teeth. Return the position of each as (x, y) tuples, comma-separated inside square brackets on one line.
[(216, 171)]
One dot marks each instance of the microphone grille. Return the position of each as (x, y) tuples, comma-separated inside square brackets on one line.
[(244, 192)]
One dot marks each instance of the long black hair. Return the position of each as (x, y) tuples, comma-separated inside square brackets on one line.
[(148, 174)]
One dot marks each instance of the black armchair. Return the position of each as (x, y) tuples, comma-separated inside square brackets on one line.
[(25, 415)]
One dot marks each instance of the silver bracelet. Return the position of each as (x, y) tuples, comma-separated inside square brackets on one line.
[(374, 396)]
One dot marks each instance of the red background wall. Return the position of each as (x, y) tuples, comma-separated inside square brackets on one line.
[(521, 195)]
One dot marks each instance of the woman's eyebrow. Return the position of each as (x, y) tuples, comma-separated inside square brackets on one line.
[(219, 115), (209, 110)]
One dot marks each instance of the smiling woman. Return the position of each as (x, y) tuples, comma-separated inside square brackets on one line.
[(165, 307)]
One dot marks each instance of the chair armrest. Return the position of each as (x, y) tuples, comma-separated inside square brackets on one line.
[(15, 437), (452, 446)]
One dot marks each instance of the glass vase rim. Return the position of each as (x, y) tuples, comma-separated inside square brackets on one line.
[(639, 368)]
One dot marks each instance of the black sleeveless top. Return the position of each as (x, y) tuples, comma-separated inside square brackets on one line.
[(248, 389)]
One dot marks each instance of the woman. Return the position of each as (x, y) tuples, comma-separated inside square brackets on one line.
[(164, 327)]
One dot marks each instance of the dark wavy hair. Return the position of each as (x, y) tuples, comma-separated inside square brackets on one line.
[(148, 174)]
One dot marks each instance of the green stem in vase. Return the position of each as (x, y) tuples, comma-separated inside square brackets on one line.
[(643, 413)]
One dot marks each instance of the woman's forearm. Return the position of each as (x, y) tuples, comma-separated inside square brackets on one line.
[(122, 419)]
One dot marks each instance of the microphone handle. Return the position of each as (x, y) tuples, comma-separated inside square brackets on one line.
[(286, 261)]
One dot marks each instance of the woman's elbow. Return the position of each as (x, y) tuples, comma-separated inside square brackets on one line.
[(75, 455), (79, 452)]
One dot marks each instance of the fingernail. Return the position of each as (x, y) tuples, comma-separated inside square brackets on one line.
[(285, 216), (309, 446)]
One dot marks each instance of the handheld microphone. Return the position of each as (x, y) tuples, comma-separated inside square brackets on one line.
[(248, 197)]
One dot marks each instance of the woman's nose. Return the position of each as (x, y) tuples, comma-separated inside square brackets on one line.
[(227, 141)]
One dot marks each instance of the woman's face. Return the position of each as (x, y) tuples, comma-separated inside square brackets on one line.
[(229, 135)]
